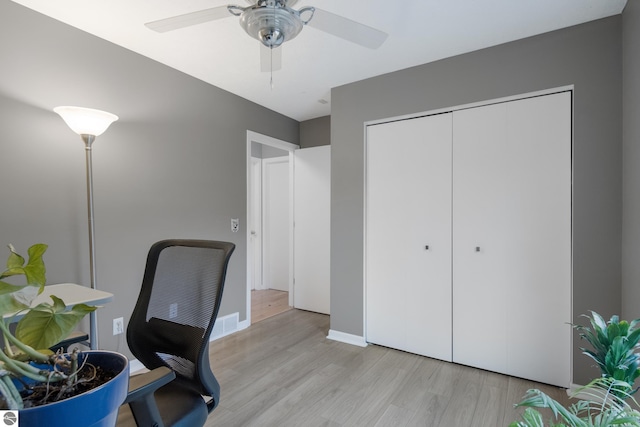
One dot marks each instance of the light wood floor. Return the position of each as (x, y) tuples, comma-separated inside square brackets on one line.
[(283, 371), (268, 302)]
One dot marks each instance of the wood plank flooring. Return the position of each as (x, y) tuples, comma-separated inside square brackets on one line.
[(268, 302), (283, 371)]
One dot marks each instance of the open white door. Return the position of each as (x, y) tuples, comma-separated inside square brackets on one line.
[(312, 201)]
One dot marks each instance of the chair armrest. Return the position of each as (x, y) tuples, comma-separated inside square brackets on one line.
[(141, 399), (145, 384)]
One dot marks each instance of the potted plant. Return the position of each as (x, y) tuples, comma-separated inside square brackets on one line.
[(47, 388), (614, 347), (603, 401), (598, 406)]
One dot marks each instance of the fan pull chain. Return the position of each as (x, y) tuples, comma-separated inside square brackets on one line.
[(271, 66), (271, 51)]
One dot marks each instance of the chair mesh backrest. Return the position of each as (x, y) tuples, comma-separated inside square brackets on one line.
[(177, 307)]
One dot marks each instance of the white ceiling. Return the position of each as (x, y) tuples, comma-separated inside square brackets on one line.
[(222, 54)]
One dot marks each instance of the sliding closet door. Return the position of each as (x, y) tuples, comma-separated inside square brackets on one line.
[(408, 235), (512, 238)]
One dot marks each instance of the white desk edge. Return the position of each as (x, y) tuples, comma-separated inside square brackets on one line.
[(71, 294)]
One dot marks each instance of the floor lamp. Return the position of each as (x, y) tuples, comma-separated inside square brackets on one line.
[(89, 124)]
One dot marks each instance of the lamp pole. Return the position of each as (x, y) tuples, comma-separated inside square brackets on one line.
[(88, 123), (93, 319)]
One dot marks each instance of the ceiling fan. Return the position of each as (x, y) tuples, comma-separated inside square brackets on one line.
[(273, 22)]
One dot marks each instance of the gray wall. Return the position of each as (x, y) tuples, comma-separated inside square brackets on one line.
[(315, 132), (174, 165), (587, 56), (631, 161)]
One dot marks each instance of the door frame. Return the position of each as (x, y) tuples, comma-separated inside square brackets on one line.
[(254, 225), (283, 145)]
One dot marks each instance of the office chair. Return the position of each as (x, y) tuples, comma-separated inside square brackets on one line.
[(169, 333)]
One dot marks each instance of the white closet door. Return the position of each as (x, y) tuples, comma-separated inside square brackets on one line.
[(512, 200), (539, 293), (408, 235), (481, 210), (312, 212)]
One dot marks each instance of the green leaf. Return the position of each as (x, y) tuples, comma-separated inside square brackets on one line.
[(8, 288), (634, 337), (14, 260), (613, 331), (624, 327), (532, 418), (47, 324), (8, 305), (598, 322), (35, 270)]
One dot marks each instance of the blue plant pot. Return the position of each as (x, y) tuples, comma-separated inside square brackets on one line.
[(94, 408)]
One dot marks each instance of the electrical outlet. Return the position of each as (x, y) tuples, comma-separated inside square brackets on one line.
[(235, 224), (118, 326)]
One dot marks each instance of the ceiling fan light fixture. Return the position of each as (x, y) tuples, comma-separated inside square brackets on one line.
[(272, 26)]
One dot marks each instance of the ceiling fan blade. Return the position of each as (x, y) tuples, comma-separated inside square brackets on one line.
[(270, 59), (347, 29), (188, 19)]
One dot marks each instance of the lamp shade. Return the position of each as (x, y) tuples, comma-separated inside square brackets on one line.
[(86, 121)]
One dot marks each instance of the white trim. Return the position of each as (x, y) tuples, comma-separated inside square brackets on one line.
[(347, 338), (244, 324), (292, 227), (470, 105), (272, 142), (255, 224)]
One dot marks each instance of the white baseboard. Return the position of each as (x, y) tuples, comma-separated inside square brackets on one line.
[(347, 338), (243, 325), (227, 325)]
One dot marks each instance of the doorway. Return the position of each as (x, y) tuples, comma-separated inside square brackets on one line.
[(270, 232)]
